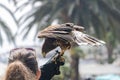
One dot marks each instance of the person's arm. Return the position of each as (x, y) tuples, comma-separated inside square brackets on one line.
[(51, 68)]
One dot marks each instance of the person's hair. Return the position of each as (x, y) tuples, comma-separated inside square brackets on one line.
[(22, 64)]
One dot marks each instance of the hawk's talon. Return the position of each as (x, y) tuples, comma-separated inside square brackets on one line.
[(54, 60), (62, 59)]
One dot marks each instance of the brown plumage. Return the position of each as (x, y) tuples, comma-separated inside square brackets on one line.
[(65, 35)]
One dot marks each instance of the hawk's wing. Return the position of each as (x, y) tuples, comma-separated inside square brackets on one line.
[(53, 31), (58, 32), (84, 39)]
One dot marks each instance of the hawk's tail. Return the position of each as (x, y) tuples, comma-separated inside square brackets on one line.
[(84, 39)]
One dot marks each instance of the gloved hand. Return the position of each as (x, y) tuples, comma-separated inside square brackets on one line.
[(51, 68)]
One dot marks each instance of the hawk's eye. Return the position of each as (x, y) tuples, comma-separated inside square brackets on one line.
[(69, 24)]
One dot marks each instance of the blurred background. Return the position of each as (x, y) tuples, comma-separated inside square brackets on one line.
[(20, 21)]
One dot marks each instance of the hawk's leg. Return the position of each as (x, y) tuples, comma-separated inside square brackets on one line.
[(59, 57), (62, 52)]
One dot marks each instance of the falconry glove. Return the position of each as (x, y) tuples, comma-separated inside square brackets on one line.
[(51, 68)]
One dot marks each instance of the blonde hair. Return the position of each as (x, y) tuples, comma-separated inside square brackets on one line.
[(22, 65)]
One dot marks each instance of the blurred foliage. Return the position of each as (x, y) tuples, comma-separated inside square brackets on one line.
[(78, 52), (4, 27)]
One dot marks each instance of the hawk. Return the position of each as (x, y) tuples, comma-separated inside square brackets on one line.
[(65, 36)]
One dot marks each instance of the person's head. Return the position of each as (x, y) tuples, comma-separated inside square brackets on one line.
[(22, 65)]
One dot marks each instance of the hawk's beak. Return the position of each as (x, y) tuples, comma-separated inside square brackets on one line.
[(39, 35), (44, 54), (42, 34)]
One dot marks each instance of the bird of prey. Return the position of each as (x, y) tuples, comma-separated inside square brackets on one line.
[(65, 36)]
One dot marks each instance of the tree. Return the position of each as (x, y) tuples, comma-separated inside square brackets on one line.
[(5, 28), (99, 17)]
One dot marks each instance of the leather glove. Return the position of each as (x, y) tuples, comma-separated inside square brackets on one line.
[(51, 68)]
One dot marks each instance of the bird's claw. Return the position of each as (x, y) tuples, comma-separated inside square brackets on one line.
[(59, 58), (62, 60)]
